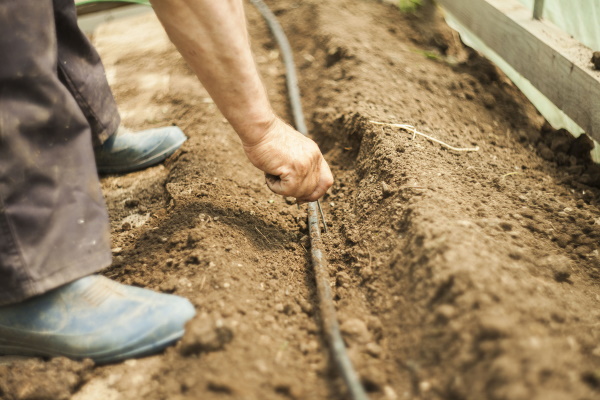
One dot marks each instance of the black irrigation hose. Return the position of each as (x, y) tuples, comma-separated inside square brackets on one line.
[(328, 315), (327, 309)]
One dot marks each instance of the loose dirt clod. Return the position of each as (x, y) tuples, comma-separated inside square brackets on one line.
[(204, 334), (596, 59)]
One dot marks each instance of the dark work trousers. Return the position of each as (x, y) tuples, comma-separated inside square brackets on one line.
[(55, 104)]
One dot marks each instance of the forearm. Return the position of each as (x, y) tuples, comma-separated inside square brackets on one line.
[(212, 37)]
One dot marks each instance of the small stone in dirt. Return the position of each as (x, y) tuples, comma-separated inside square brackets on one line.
[(204, 334), (561, 273), (530, 135), (305, 306), (194, 258), (488, 100), (366, 272), (334, 55), (142, 209), (373, 379), (581, 147), (291, 309), (289, 390), (596, 59), (545, 152), (592, 378), (342, 279), (373, 349), (169, 285), (445, 312), (389, 393), (218, 385), (309, 347), (560, 141), (583, 251), (356, 331), (386, 190), (302, 225), (494, 327), (305, 241), (130, 203), (562, 239), (192, 239)]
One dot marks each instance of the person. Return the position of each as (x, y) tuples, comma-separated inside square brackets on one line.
[(59, 126)]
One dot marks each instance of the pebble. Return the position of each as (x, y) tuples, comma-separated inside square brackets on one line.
[(445, 312), (596, 59), (305, 306), (291, 309), (386, 190), (562, 239), (389, 393), (356, 330), (583, 250), (342, 279), (194, 258), (130, 203), (366, 272), (169, 285), (494, 327), (373, 349)]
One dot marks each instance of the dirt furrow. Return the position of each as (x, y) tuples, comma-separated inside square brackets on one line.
[(482, 267)]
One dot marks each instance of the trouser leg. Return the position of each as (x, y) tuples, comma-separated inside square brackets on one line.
[(53, 221), (82, 72)]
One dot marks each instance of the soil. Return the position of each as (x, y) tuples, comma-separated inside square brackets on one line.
[(457, 275)]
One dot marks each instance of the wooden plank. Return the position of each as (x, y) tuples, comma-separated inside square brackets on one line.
[(555, 63)]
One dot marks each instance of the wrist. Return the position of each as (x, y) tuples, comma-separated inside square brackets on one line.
[(253, 129)]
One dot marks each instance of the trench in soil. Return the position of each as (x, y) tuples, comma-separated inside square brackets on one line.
[(456, 275)]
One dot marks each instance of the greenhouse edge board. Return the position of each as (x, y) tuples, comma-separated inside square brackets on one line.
[(555, 63)]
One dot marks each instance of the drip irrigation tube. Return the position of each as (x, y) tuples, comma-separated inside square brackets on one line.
[(327, 309), (326, 306)]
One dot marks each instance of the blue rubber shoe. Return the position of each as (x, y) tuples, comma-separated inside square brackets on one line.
[(129, 151), (95, 318)]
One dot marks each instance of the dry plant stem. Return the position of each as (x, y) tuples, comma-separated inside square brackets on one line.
[(261, 234), (412, 129), (322, 216)]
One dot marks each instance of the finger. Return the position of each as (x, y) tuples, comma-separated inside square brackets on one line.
[(324, 183), (301, 182), (275, 184)]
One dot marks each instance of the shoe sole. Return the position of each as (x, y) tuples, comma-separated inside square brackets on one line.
[(99, 358), (145, 164)]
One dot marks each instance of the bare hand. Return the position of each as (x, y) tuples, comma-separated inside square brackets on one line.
[(293, 163)]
